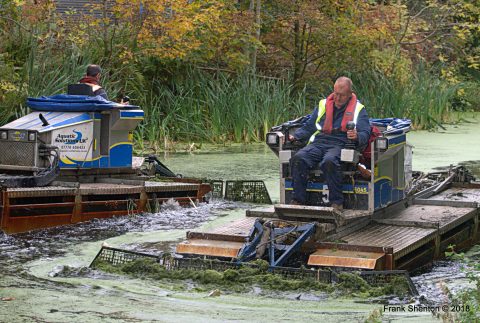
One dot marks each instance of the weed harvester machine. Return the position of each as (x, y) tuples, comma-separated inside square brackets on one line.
[(71, 160), (394, 220)]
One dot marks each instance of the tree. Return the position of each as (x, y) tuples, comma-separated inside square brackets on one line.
[(313, 38)]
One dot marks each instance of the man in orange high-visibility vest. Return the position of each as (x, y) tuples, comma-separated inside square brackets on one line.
[(327, 134)]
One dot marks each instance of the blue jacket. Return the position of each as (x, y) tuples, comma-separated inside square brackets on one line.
[(336, 137)]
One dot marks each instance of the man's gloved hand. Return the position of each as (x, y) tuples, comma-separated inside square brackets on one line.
[(291, 138), (352, 134)]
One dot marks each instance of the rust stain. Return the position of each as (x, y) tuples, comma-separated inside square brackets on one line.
[(214, 248), (345, 258)]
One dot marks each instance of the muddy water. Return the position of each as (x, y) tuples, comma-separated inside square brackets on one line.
[(35, 285)]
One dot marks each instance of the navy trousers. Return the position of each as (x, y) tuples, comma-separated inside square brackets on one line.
[(308, 157)]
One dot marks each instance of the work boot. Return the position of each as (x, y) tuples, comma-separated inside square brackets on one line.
[(295, 202)]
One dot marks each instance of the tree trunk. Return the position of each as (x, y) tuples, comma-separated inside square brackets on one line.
[(297, 54), (258, 21)]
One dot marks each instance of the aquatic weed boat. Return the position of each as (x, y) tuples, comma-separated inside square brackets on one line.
[(71, 160), (395, 220)]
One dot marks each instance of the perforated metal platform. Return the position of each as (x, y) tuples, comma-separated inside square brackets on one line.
[(28, 208)]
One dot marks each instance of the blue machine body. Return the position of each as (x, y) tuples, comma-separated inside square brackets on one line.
[(389, 176), (90, 132)]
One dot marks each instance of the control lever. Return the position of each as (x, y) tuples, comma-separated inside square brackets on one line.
[(351, 143), (349, 154)]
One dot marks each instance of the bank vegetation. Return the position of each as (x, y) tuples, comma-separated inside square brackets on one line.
[(227, 70)]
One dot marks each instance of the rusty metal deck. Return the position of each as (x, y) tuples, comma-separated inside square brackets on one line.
[(322, 213), (394, 238), (332, 257), (24, 209), (214, 248), (224, 241), (240, 228), (455, 196), (170, 186), (433, 221), (234, 231), (443, 218), (402, 239), (102, 188), (262, 212)]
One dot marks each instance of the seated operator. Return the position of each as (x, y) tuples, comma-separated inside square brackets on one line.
[(93, 79), (327, 134)]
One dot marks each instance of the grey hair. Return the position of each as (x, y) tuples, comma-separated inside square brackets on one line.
[(345, 80)]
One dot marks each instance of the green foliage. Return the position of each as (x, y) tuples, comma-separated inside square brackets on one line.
[(375, 316), (352, 283), (12, 91), (232, 279), (217, 108), (188, 63), (423, 97)]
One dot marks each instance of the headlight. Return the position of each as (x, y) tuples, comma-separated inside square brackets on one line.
[(32, 136), (3, 135), (272, 139), (381, 143)]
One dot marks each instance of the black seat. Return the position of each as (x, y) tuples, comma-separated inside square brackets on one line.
[(80, 89)]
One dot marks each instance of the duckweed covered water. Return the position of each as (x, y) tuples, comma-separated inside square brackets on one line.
[(45, 276)]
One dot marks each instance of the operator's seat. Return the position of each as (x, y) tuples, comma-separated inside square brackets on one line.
[(80, 89)]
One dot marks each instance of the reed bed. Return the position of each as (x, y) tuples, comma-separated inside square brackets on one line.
[(217, 108), (424, 98)]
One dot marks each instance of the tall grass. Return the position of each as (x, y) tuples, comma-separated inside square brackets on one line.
[(217, 108), (424, 98)]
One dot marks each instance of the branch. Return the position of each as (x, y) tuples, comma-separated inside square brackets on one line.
[(317, 57), (18, 24), (421, 40), (234, 72)]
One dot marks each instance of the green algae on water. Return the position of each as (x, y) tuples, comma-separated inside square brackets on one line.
[(236, 280), (352, 283), (241, 279)]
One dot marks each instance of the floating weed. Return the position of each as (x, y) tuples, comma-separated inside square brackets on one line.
[(352, 283), (244, 278)]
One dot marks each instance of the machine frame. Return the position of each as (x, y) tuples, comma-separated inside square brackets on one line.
[(391, 158)]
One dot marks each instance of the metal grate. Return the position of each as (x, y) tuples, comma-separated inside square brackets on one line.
[(173, 263), (247, 191), (118, 257), (18, 153), (380, 277), (217, 189), (321, 275)]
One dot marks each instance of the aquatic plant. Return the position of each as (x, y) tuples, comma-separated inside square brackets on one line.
[(216, 107), (423, 97), (241, 279)]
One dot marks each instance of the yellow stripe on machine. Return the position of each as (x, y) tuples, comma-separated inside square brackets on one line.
[(121, 143)]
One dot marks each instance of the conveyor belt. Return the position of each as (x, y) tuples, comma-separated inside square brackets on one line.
[(401, 238)]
